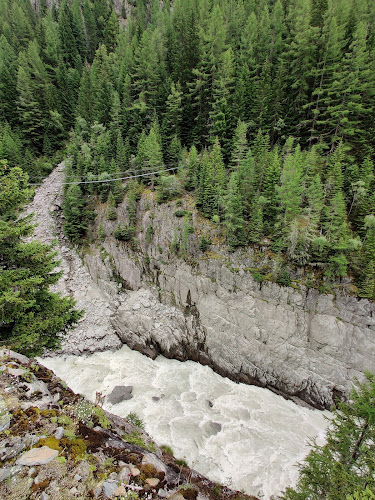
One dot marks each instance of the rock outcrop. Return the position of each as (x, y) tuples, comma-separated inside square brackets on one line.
[(207, 306)]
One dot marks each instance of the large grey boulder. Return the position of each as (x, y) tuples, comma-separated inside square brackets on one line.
[(120, 393)]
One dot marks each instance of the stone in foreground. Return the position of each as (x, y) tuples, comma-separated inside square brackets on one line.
[(37, 456)]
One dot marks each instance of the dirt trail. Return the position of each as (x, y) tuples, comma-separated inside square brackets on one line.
[(94, 331)]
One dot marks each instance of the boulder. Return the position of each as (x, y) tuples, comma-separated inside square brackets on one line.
[(120, 393), (59, 432), (11, 447), (151, 459)]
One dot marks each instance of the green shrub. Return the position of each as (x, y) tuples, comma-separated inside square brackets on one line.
[(204, 244), (166, 449), (111, 213), (133, 418), (101, 232), (135, 438), (284, 278), (181, 213), (259, 277), (124, 233), (149, 233), (168, 188)]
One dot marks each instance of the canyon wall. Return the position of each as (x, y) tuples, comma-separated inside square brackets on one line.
[(208, 307), (204, 306)]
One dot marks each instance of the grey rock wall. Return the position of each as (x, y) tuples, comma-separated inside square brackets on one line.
[(207, 308), (294, 341)]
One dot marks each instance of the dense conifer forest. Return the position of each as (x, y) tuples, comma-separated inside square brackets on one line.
[(262, 110), (266, 107)]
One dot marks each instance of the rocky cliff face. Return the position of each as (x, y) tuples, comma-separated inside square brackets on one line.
[(205, 306), (208, 307)]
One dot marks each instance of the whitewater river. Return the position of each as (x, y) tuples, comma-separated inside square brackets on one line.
[(239, 435)]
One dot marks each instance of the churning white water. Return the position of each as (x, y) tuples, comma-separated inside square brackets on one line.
[(239, 435)]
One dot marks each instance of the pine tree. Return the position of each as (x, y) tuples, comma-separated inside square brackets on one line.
[(220, 117), (31, 315), (201, 180), (173, 114), (75, 223), (111, 32), (215, 183), (85, 97), (69, 48), (8, 80), (270, 191), (192, 178), (91, 30), (290, 190), (344, 465), (131, 207), (101, 81), (111, 212), (255, 228), (234, 215), (29, 108), (300, 58), (239, 148)]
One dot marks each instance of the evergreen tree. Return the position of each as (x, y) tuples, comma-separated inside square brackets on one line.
[(234, 215), (75, 223), (192, 178), (85, 97), (30, 315), (69, 48), (239, 148), (344, 465), (101, 81)]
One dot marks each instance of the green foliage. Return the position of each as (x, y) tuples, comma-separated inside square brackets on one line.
[(278, 93), (131, 207), (30, 315), (344, 466), (101, 232), (258, 276), (168, 188), (204, 243), (133, 418), (181, 213), (283, 278), (124, 232), (166, 449), (149, 233), (75, 221), (111, 213), (136, 438)]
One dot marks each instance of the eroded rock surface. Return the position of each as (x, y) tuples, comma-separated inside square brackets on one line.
[(207, 308), (94, 331), (210, 309)]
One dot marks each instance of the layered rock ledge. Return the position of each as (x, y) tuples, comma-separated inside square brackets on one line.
[(206, 307)]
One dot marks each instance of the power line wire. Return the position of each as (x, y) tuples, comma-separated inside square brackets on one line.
[(90, 174), (110, 180)]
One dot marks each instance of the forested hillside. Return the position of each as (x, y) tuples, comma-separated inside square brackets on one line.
[(266, 106)]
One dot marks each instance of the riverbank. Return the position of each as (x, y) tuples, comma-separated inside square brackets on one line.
[(244, 436)]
